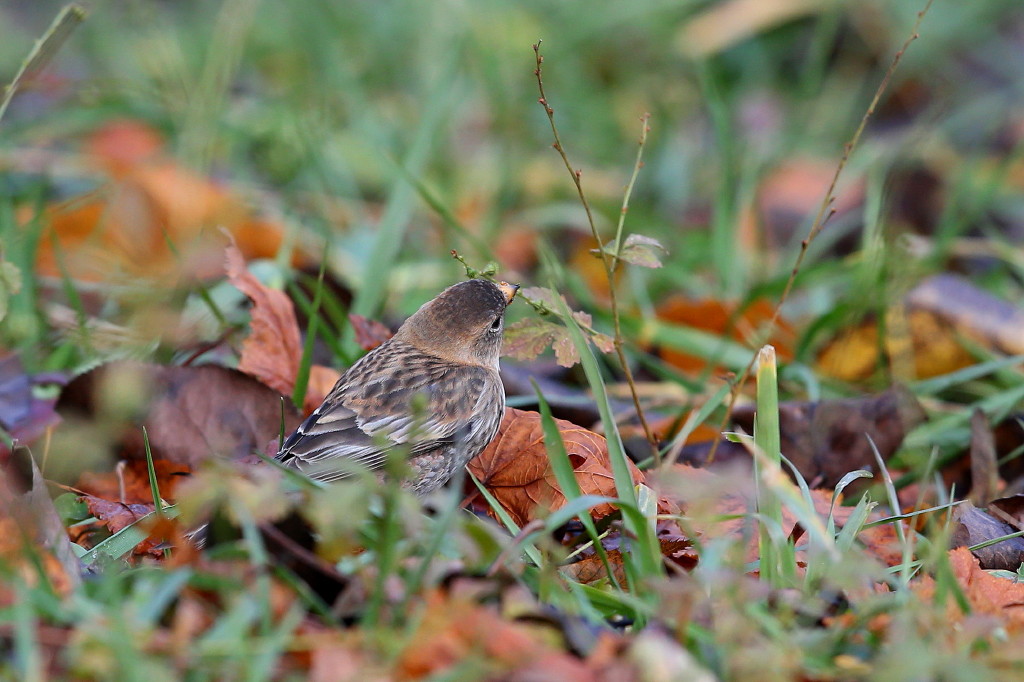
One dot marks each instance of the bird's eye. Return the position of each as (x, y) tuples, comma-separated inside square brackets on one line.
[(496, 324)]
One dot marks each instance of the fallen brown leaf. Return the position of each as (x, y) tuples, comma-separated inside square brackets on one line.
[(116, 515), (972, 526), (826, 440), (272, 350), (454, 630), (515, 468), (190, 413), (923, 333)]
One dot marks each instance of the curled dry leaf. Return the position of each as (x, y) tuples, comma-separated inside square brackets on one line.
[(515, 468), (273, 349)]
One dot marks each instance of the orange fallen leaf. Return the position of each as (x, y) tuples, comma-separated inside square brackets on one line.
[(987, 594), (134, 478), (923, 333), (453, 630), (515, 468)]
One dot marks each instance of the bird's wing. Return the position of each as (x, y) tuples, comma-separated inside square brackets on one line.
[(393, 396)]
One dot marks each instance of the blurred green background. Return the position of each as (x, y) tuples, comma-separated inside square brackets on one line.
[(359, 120)]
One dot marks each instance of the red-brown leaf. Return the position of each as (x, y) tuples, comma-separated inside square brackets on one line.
[(515, 468), (272, 351)]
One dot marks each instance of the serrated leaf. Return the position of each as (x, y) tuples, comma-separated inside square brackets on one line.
[(528, 338), (583, 319), (566, 353)]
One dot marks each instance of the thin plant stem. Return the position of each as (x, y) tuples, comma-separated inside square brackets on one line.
[(825, 211), (637, 165), (609, 261), (44, 50)]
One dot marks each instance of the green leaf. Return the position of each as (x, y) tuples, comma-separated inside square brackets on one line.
[(71, 508)]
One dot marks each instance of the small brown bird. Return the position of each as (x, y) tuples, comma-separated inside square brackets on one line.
[(432, 388)]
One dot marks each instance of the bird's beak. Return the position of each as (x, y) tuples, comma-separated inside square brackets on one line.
[(509, 290)]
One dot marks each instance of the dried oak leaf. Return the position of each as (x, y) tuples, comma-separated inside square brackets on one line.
[(515, 468)]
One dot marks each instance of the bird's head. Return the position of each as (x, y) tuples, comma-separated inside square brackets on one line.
[(463, 323)]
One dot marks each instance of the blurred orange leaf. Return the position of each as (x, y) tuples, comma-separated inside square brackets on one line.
[(133, 481), (987, 594), (454, 629), (152, 219), (722, 318), (922, 336)]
